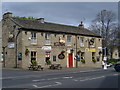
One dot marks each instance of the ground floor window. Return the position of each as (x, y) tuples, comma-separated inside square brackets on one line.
[(33, 55), (47, 58), (82, 55), (93, 55)]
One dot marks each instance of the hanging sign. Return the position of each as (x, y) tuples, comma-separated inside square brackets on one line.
[(47, 48), (61, 56)]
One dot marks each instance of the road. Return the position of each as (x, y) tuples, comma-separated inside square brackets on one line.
[(93, 78)]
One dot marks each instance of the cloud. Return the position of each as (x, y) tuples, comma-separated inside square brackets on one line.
[(71, 13)]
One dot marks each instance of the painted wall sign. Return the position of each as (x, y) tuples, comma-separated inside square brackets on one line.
[(11, 45), (47, 48), (19, 56), (61, 56)]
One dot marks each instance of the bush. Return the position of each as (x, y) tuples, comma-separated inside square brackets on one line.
[(94, 60), (48, 62), (34, 62), (112, 60), (83, 60)]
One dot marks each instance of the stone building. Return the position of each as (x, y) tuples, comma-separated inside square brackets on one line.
[(27, 40), (0, 42)]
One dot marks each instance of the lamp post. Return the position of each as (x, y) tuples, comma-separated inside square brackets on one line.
[(4, 55)]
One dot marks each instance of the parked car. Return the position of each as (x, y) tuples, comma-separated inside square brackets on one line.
[(117, 66)]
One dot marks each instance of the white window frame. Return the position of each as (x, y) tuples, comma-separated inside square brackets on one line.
[(47, 39), (81, 41), (33, 38), (69, 40)]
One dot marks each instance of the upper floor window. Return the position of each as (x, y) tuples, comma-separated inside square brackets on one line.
[(69, 40), (47, 38), (82, 42), (33, 37)]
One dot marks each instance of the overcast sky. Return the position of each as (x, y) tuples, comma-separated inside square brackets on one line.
[(70, 13)]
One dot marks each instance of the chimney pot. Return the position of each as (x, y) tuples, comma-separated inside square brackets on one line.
[(41, 20), (81, 25), (7, 15)]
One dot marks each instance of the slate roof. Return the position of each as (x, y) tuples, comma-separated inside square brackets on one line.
[(26, 24)]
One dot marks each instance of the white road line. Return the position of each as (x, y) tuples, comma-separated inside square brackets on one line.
[(67, 77), (56, 84), (52, 79), (115, 74), (92, 78)]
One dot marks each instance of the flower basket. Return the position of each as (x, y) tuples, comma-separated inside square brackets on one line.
[(83, 61), (94, 60), (27, 52)]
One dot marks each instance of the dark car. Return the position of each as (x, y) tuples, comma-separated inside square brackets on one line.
[(117, 66)]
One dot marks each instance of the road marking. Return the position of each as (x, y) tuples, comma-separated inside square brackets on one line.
[(90, 70), (92, 78), (56, 84), (115, 74), (52, 79), (67, 77)]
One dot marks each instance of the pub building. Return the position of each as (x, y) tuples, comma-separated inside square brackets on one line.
[(48, 43)]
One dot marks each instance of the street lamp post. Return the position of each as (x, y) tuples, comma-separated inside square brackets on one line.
[(4, 55)]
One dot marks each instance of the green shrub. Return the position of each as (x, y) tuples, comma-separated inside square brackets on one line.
[(48, 62), (94, 60), (112, 60), (83, 61), (34, 62)]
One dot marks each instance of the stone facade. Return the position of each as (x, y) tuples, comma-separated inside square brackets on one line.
[(40, 45), (0, 42)]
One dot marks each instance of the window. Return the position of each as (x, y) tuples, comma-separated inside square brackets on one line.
[(93, 55), (47, 36), (69, 40), (33, 37), (47, 39), (33, 55), (82, 42), (82, 55)]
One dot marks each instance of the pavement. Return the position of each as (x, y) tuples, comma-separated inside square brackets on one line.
[(55, 70)]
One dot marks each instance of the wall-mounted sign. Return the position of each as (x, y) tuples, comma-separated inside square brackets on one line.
[(92, 50), (61, 56), (47, 48), (11, 45), (19, 56)]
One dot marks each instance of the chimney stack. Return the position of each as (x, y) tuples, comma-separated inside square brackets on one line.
[(7, 15), (41, 20), (81, 25)]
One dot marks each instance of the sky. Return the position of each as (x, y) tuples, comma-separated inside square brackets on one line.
[(69, 13)]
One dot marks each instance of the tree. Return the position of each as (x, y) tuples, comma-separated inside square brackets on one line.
[(105, 25)]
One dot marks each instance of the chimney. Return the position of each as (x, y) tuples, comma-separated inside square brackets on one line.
[(41, 20), (81, 25), (7, 15)]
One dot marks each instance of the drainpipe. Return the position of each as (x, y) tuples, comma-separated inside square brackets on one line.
[(76, 52), (16, 50)]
